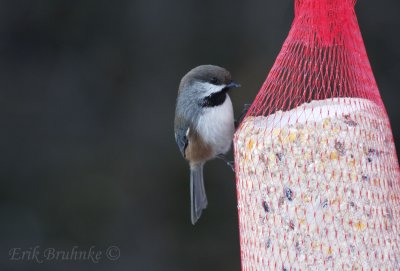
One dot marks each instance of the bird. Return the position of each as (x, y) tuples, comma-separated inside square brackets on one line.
[(204, 124)]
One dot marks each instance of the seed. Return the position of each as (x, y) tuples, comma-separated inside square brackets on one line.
[(268, 243), (371, 154), (349, 121), (265, 206), (281, 201), (291, 225), (297, 245), (280, 156), (289, 194), (339, 146)]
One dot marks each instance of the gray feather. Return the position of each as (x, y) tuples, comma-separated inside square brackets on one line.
[(183, 121), (182, 140), (197, 192)]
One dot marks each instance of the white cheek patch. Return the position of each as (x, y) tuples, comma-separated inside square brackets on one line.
[(209, 88)]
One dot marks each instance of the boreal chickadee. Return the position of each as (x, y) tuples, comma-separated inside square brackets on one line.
[(204, 124)]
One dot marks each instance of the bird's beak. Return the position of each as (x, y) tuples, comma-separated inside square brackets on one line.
[(233, 85)]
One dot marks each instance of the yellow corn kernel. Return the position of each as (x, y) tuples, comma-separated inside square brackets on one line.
[(276, 131), (352, 163), (250, 144), (314, 245), (353, 176), (360, 226), (334, 155), (306, 198), (292, 137), (328, 217), (271, 157), (335, 201)]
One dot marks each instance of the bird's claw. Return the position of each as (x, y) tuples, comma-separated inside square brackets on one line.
[(246, 108), (231, 164)]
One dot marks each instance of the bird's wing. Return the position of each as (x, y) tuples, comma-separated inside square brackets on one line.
[(182, 129)]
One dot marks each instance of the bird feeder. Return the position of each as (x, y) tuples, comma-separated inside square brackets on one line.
[(318, 179)]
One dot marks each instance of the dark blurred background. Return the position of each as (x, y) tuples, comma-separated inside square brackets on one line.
[(87, 101)]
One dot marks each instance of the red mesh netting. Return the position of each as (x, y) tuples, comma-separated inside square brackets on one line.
[(318, 178)]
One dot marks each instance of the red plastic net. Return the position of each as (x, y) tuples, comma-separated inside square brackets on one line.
[(318, 178)]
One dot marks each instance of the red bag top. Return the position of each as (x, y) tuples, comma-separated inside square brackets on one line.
[(323, 57)]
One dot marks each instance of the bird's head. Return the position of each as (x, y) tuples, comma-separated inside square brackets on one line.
[(206, 80)]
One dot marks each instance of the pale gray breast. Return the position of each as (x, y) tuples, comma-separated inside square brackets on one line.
[(216, 126)]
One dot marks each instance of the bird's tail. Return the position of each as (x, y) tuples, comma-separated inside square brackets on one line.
[(197, 191)]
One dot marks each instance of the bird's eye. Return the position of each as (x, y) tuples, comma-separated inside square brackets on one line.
[(214, 81)]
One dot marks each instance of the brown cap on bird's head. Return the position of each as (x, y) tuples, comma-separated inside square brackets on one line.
[(206, 73)]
